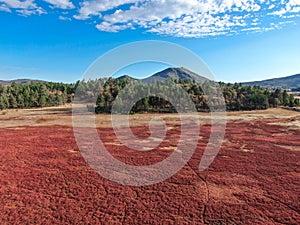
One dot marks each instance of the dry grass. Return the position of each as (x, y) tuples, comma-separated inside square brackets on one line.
[(63, 116)]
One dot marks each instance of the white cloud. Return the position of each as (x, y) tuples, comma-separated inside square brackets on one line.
[(272, 6), (194, 18), (19, 4), (29, 12), (63, 4), (292, 6), (181, 18), (23, 7), (108, 27), (64, 18), (4, 8), (95, 7)]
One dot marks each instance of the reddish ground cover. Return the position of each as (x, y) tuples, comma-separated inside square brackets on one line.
[(253, 180)]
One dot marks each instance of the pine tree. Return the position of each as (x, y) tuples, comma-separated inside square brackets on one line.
[(292, 101), (13, 102), (42, 101), (2, 103), (285, 98), (20, 100)]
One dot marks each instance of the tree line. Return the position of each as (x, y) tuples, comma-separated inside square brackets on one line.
[(206, 96), (34, 95), (117, 94), (239, 97)]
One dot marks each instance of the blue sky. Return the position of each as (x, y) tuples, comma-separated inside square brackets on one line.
[(240, 40)]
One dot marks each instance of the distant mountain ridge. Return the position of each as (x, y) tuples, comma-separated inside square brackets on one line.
[(289, 82), (174, 73), (21, 81)]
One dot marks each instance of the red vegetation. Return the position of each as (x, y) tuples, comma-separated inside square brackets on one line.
[(253, 180)]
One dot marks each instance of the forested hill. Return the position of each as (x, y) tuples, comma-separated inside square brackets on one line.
[(20, 81), (290, 82)]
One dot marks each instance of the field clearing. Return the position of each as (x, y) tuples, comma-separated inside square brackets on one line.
[(255, 179), (63, 116)]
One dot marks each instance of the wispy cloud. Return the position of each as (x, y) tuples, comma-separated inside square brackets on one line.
[(4, 8), (181, 18), (292, 6), (62, 4), (30, 7), (23, 7), (91, 8), (64, 18)]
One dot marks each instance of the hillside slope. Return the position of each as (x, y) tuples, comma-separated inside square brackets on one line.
[(175, 73), (20, 81), (290, 82)]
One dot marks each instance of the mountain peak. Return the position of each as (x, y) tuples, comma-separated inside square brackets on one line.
[(176, 73), (126, 77)]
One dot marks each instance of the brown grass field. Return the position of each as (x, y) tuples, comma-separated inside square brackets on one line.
[(255, 179)]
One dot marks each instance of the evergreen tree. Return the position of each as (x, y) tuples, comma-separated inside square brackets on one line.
[(285, 98), (2, 103), (291, 101), (42, 101), (20, 100), (13, 102)]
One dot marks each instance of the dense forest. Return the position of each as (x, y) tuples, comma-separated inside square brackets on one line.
[(236, 96), (33, 95), (105, 91)]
